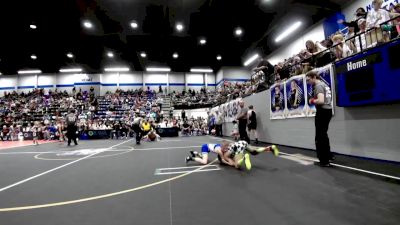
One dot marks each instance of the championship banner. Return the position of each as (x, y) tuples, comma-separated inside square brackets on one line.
[(278, 106), (326, 74), (295, 97)]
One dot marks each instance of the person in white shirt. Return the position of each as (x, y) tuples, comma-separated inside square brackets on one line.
[(361, 41), (377, 16)]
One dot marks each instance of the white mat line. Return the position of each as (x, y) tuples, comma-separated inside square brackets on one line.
[(296, 159), (182, 147), (57, 168), (345, 167), (186, 171), (334, 164), (116, 150), (187, 167), (54, 152)]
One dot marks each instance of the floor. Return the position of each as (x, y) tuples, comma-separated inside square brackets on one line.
[(117, 182), (16, 144)]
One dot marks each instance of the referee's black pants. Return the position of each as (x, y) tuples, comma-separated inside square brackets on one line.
[(71, 134), (242, 131), (138, 131), (322, 119)]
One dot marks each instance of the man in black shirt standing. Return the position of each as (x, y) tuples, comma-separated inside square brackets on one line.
[(252, 123), (71, 127), (183, 114), (242, 118)]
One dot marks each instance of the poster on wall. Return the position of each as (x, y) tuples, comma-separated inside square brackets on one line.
[(277, 107), (231, 110), (295, 97), (326, 74)]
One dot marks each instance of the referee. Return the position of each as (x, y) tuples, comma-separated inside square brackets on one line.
[(137, 128), (322, 100), (71, 127)]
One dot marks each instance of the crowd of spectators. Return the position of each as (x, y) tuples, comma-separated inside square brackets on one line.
[(188, 126), (205, 99), (193, 99), (367, 30), (43, 113)]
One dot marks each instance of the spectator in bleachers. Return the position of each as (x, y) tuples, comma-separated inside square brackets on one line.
[(314, 48), (342, 49), (360, 14), (395, 13), (183, 114), (375, 18), (186, 128), (351, 30), (361, 41), (320, 55)]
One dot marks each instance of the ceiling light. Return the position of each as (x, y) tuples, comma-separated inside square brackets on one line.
[(116, 69), (219, 57), (238, 31), (87, 24), (175, 55), (33, 57), (288, 31), (179, 27), (29, 71), (32, 26), (71, 70), (134, 25), (158, 69), (110, 55), (203, 41), (194, 70), (143, 55), (251, 59), (70, 55)]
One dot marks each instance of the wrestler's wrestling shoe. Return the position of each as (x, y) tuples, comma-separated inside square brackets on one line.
[(247, 161), (188, 159), (195, 154), (275, 150)]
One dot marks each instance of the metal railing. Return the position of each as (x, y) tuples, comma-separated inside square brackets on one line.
[(355, 45)]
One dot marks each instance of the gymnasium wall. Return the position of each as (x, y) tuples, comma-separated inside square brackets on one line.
[(233, 74), (107, 81), (176, 82), (315, 33), (370, 131)]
